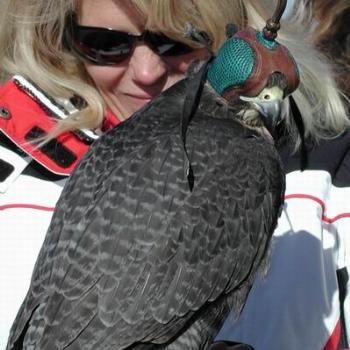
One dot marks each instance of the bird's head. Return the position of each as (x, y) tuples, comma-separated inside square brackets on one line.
[(270, 103), (254, 71)]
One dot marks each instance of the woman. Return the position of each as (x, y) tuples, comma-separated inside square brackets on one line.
[(60, 87), (304, 301)]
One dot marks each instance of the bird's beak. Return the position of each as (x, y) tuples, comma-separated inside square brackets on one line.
[(271, 111), (270, 104)]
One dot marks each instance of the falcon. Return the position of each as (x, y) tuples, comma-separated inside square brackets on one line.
[(162, 227)]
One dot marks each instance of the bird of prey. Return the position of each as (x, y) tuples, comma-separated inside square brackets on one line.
[(160, 230)]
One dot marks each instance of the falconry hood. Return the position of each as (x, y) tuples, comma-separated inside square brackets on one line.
[(252, 66)]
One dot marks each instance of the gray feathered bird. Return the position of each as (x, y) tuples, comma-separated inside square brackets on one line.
[(132, 255), (142, 254)]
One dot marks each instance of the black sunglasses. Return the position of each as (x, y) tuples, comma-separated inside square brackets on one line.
[(104, 46)]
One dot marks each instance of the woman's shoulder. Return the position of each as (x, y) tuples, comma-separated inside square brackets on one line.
[(28, 114)]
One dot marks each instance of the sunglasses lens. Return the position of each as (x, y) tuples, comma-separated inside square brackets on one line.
[(101, 46), (165, 46)]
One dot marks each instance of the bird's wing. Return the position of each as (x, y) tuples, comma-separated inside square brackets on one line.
[(131, 253)]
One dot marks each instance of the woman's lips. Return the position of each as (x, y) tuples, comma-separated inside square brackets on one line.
[(140, 99)]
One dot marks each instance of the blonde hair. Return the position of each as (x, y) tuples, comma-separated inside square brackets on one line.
[(31, 45)]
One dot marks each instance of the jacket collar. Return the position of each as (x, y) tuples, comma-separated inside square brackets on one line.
[(27, 112)]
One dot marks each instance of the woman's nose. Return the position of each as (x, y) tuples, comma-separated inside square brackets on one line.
[(146, 66)]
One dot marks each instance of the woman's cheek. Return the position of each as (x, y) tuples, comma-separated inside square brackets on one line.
[(105, 76)]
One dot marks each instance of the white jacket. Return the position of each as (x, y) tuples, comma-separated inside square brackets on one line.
[(303, 302)]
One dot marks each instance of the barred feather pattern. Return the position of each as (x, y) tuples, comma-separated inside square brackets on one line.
[(135, 260)]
